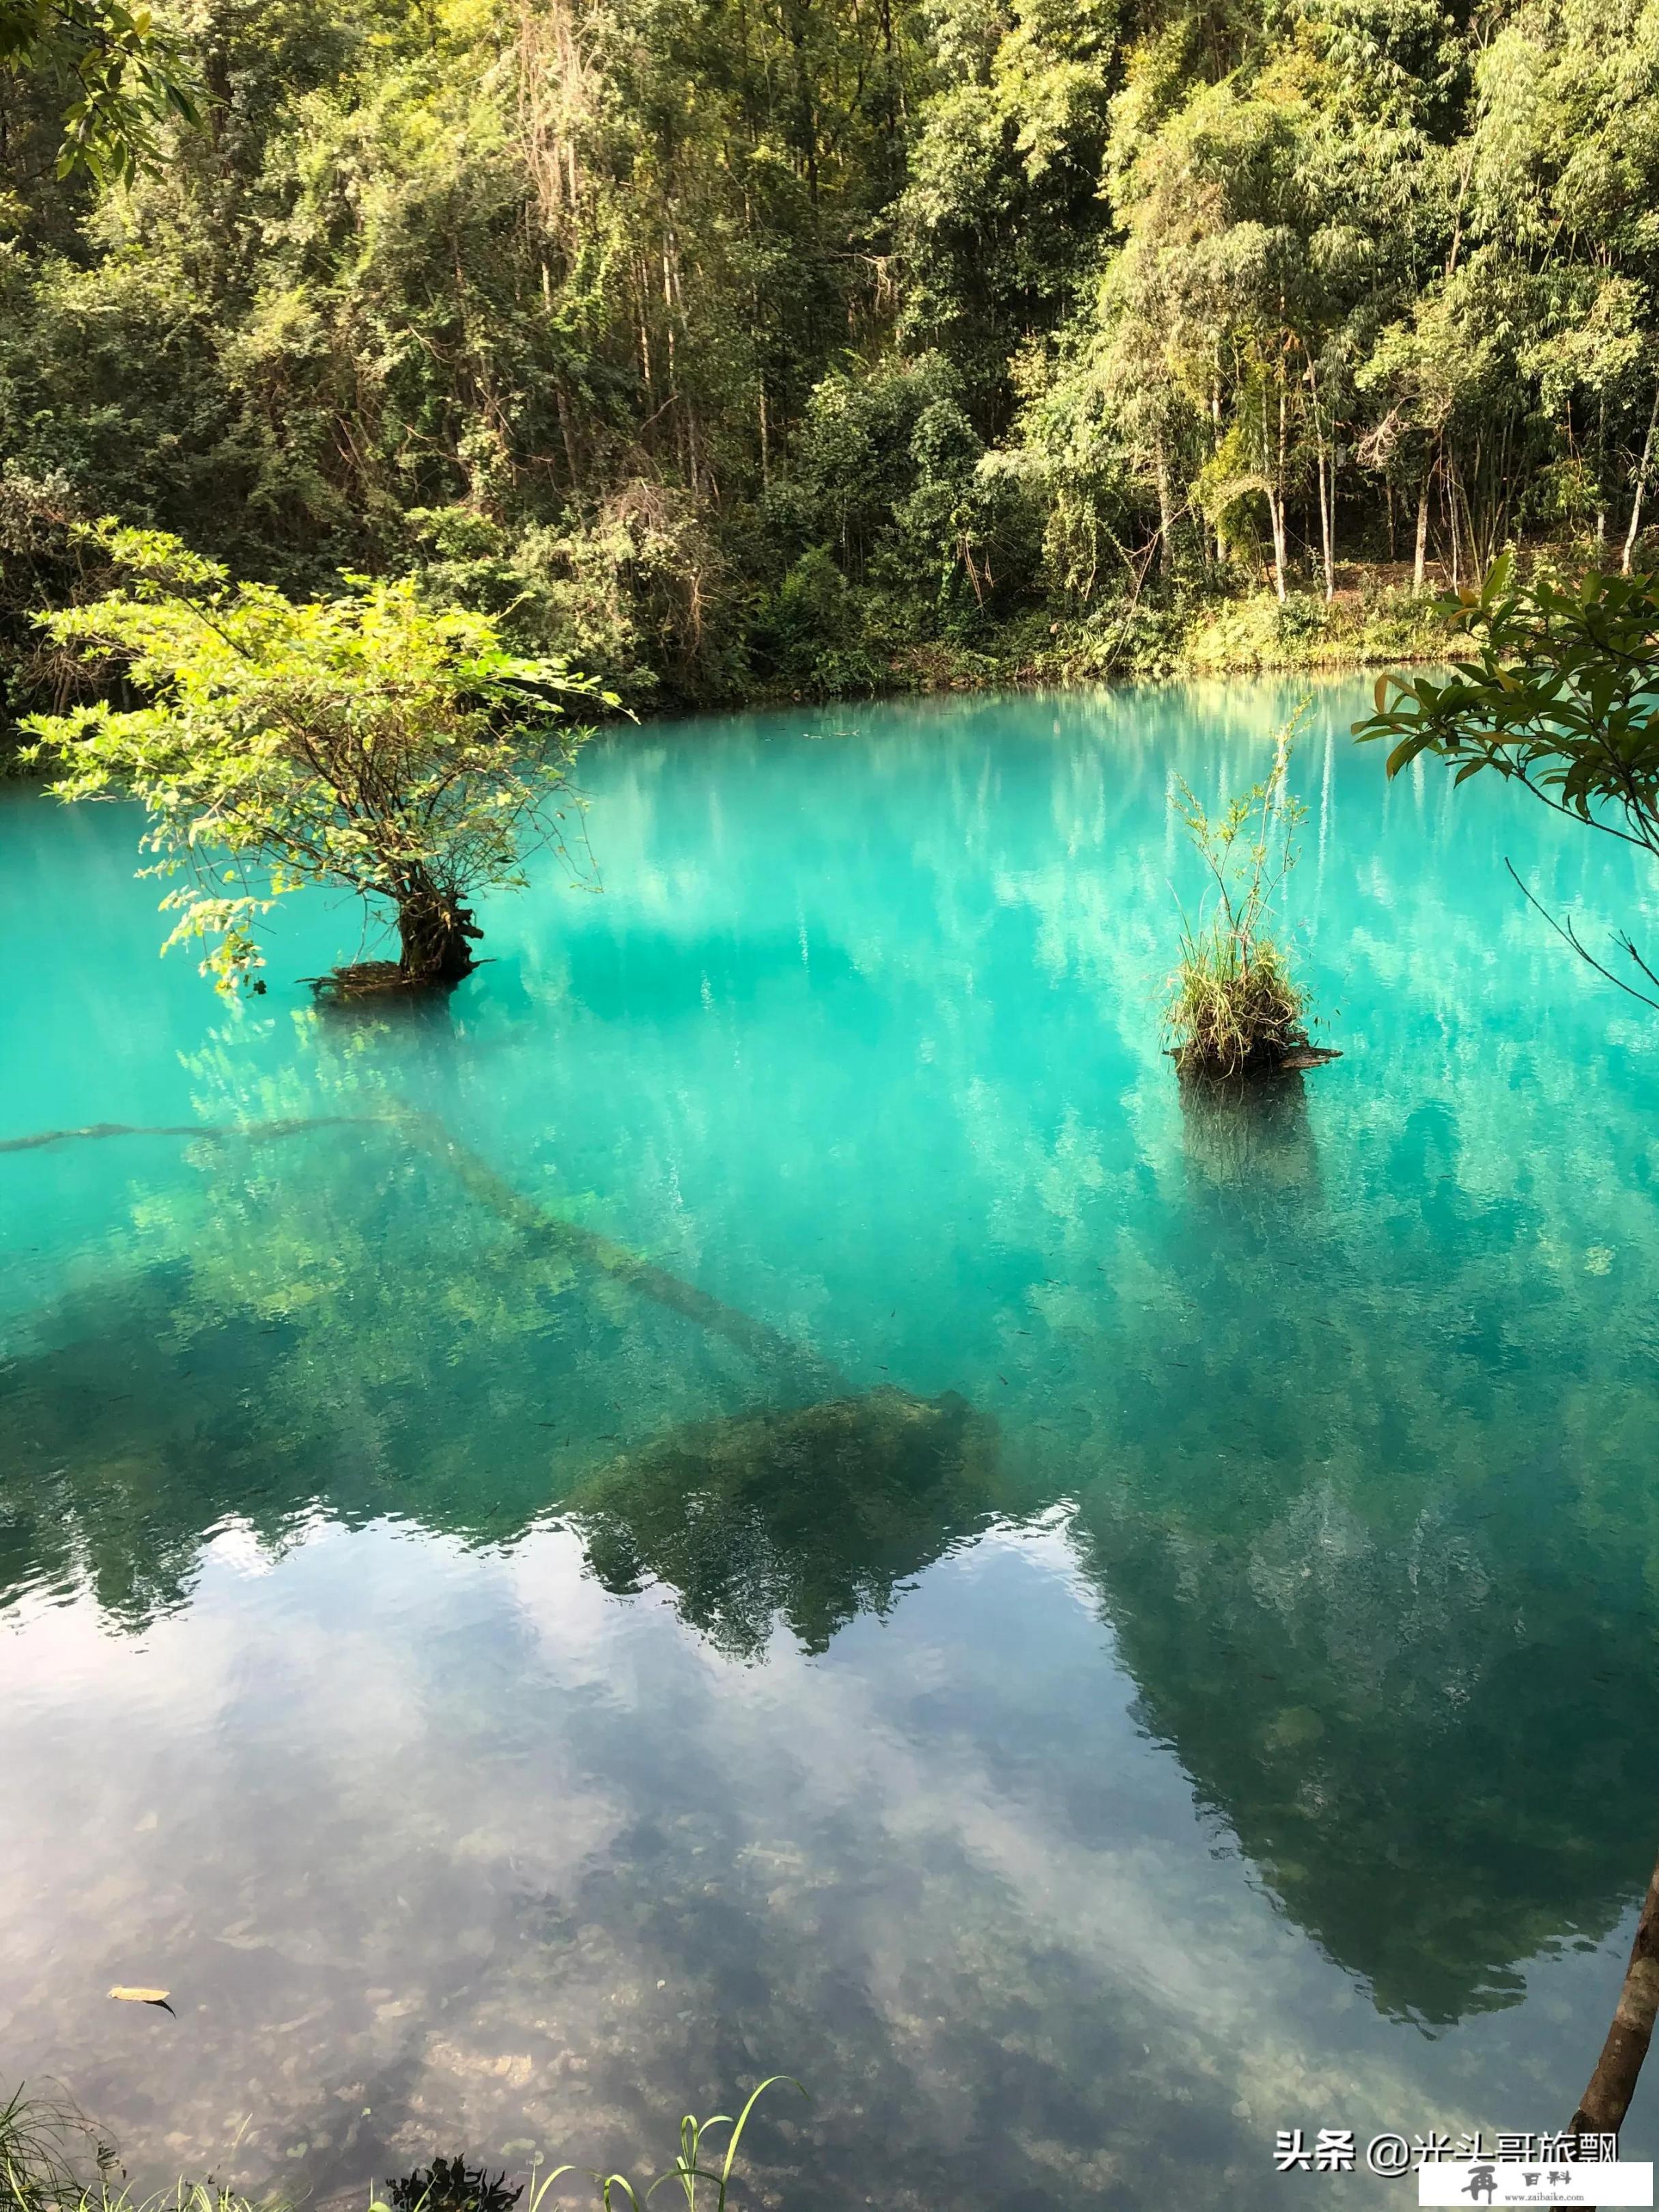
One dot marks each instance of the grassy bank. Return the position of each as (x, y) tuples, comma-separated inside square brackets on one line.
[(1373, 622), (53, 2159)]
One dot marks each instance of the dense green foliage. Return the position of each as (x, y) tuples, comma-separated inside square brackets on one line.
[(1558, 693), (775, 346), (369, 742)]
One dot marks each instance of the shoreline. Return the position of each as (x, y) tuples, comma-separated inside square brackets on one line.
[(1371, 623)]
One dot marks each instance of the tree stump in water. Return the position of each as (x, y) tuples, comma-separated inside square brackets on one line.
[(1262, 1066), (437, 935)]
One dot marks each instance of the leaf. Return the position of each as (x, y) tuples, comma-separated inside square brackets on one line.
[(140, 1996), (1380, 693)]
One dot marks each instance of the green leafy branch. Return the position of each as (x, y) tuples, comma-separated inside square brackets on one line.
[(123, 74), (1558, 691)]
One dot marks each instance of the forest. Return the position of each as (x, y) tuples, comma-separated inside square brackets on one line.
[(748, 347)]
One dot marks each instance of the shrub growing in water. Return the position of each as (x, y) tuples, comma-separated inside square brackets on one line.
[(371, 742), (1235, 1008)]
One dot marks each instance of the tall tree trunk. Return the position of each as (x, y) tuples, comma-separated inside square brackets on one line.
[(1165, 508), (1635, 529), (1215, 446), (1271, 483), (1602, 2107), (1327, 488), (1421, 554), (1279, 476), (806, 120), (1276, 517), (1479, 554)]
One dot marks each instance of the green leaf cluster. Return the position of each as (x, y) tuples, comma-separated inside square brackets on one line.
[(1558, 689), (122, 76)]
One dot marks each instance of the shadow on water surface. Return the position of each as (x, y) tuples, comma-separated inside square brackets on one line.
[(807, 1517), (1249, 1142)]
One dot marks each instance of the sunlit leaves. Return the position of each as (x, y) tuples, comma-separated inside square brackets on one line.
[(1554, 689), (120, 74), (369, 741)]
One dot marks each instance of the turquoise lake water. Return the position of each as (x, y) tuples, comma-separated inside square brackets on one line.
[(1201, 1675)]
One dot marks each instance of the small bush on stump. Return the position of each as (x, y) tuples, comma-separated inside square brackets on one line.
[(370, 742), (1235, 1009)]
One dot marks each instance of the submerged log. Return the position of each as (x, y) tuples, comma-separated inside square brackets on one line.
[(782, 1356)]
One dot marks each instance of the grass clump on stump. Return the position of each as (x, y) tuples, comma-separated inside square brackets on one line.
[(371, 742), (1235, 1008)]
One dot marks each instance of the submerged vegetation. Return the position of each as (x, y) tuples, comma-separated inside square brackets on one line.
[(1235, 1007)]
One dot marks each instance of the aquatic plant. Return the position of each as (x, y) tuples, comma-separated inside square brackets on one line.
[(449, 2184), (1235, 1008), (688, 2169), (372, 742), (35, 2168), (51, 2159), (39, 2172)]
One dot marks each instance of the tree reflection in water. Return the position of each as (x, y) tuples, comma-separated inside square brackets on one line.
[(1412, 1685)]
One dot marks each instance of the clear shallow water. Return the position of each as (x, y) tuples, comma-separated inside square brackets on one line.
[(1234, 1708)]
